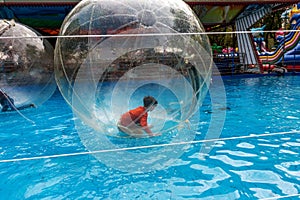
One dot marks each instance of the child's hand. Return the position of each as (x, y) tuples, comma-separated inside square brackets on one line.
[(154, 134), (150, 126)]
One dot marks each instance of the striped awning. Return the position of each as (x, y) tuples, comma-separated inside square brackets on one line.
[(245, 43)]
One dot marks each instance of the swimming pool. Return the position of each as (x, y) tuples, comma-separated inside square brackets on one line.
[(255, 157)]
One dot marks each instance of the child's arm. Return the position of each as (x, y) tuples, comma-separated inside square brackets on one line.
[(147, 130), (143, 123)]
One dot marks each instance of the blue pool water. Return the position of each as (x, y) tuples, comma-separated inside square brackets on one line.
[(255, 157)]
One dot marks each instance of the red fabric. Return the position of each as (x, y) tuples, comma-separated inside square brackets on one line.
[(137, 116)]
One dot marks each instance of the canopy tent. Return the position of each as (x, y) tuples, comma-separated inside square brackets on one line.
[(46, 16)]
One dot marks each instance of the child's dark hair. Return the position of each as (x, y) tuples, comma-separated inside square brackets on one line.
[(149, 101)]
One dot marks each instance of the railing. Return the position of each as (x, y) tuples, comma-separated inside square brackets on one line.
[(229, 63)]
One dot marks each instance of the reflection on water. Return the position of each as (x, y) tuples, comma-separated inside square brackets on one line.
[(242, 168)]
